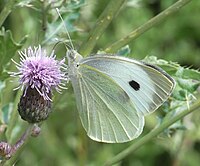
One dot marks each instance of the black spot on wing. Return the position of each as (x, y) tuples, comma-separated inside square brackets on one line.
[(134, 85)]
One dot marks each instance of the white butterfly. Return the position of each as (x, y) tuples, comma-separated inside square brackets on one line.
[(114, 93)]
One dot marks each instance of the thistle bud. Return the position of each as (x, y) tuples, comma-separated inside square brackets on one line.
[(5, 150), (32, 107), (35, 131)]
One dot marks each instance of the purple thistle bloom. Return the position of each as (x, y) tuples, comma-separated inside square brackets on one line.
[(41, 72), (38, 75)]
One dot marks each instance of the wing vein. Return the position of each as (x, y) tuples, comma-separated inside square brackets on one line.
[(89, 90), (113, 99)]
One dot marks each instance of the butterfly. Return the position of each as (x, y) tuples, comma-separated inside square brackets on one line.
[(115, 93)]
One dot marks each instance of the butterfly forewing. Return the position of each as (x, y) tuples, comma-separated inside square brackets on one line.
[(106, 110), (147, 86)]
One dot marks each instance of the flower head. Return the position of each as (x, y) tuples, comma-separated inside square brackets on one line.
[(39, 71), (38, 75)]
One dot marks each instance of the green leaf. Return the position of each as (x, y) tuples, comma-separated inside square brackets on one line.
[(180, 95), (183, 94), (174, 68), (188, 73), (170, 67), (124, 51), (188, 84), (174, 108), (8, 47)]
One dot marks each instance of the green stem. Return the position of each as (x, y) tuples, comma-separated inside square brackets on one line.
[(103, 21), (152, 134), (6, 11), (148, 25)]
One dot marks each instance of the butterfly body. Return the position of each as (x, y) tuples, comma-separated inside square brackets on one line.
[(114, 93)]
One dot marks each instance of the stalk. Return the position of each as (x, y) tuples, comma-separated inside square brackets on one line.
[(141, 141), (147, 26)]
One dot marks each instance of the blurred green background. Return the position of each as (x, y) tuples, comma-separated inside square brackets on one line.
[(63, 140)]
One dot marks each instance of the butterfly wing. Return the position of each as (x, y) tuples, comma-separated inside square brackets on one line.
[(106, 111), (147, 86)]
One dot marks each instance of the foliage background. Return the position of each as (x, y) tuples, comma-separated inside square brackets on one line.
[(63, 140)]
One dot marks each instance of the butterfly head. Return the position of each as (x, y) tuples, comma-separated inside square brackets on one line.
[(73, 57)]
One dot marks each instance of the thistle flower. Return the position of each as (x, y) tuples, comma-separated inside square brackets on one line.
[(38, 75)]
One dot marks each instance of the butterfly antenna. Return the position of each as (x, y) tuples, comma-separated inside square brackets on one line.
[(70, 41), (66, 45)]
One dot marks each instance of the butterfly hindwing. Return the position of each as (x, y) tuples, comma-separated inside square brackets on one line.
[(105, 109)]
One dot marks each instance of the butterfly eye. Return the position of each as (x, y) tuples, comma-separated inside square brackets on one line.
[(71, 55), (134, 85)]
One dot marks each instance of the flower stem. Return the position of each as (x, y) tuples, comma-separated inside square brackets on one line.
[(146, 26), (103, 21), (152, 134), (6, 11), (17, 147)]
